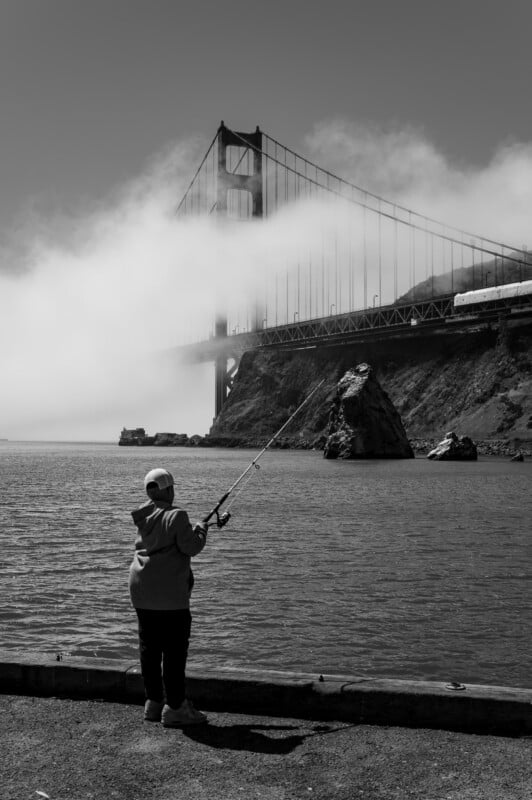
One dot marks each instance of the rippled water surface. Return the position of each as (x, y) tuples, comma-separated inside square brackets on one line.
[(406, 569)]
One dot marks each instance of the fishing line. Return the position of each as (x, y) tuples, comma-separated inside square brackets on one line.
[(241, 488), (223, 519)]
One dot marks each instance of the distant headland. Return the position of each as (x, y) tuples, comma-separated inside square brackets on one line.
[(137, 437)]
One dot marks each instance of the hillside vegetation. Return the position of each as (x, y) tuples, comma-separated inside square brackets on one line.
[(493, 272)]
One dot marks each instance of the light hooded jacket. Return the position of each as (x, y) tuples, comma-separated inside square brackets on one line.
[(160, 577)]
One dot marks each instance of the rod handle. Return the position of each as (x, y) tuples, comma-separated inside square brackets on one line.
[(216, 508)]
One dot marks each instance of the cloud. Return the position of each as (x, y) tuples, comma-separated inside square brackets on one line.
[(493, 200), (90, 300), (94, 303), (85, 313), (385, 162)]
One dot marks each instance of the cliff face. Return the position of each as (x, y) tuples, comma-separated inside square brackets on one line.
[(269, 386), (474, 384), (478, 384)]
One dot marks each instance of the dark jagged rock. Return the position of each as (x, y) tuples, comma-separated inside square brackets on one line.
[(454, 448), (363, 422)]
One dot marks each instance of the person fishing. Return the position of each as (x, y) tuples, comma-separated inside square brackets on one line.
[(160, 585)]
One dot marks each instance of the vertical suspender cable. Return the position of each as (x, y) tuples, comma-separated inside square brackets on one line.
[(432, 265), (452, 268), (365, 257), (310, 284), (380, 254), (443, 251), (426, 254), (287, 309), (322, 273), (350, 265), (298, 289), (502, 265), (395, 254), (276, 179), (264, 167), (336, 287), (276, 298), (414, 256)]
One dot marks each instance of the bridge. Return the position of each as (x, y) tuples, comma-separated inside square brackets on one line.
[(369, 269)]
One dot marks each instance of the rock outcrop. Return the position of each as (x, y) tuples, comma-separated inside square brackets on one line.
[(363, 422), (137, 437), (171, 440), (454, 448), (462, 381)]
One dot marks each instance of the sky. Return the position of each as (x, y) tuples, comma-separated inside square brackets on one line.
[(106, 108)]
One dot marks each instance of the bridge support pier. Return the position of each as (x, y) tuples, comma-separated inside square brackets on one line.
[(220, 383), (233, 181), (224, 373)]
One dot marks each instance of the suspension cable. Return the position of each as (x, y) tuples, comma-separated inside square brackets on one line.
[(379, 198), (196, 173), (408, 224), (361, 203)]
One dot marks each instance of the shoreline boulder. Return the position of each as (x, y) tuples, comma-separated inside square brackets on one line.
[(363, 422), (454, 448)]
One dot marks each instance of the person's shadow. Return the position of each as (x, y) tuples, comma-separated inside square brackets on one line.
[(250, 737)]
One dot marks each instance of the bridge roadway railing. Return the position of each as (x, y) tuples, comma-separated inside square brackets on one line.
[(350, 325), (370, 323)]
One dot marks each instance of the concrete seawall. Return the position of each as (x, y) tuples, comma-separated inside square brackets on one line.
[(491, 710)]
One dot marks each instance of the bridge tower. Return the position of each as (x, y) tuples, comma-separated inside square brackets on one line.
[(227, 181)]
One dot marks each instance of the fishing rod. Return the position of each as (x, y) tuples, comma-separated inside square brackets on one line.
[(223, 519)]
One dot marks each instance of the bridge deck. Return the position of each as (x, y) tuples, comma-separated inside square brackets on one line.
[(410, 319)]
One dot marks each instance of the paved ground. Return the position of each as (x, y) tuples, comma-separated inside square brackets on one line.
[(72, 750)]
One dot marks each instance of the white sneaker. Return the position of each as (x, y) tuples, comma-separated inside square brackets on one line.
[(186, 714), (153, 711)]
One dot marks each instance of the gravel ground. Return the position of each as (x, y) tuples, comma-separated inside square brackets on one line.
[(71, 750)]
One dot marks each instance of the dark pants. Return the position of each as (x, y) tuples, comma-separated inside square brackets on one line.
[(163, 639)]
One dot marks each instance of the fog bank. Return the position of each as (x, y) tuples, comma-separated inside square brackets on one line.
[(89, 301)]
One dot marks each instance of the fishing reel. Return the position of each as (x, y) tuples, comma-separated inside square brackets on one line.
[(222, 519)]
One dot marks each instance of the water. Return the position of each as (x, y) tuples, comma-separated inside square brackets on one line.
[(402, 569)]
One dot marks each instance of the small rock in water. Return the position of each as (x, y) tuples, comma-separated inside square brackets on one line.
[(454, 448)]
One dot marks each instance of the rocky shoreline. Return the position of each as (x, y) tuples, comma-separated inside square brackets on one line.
[(475, 384), (502, 448), (506, 448)]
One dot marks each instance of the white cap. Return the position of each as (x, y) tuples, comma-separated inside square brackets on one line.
[(161, 477)]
